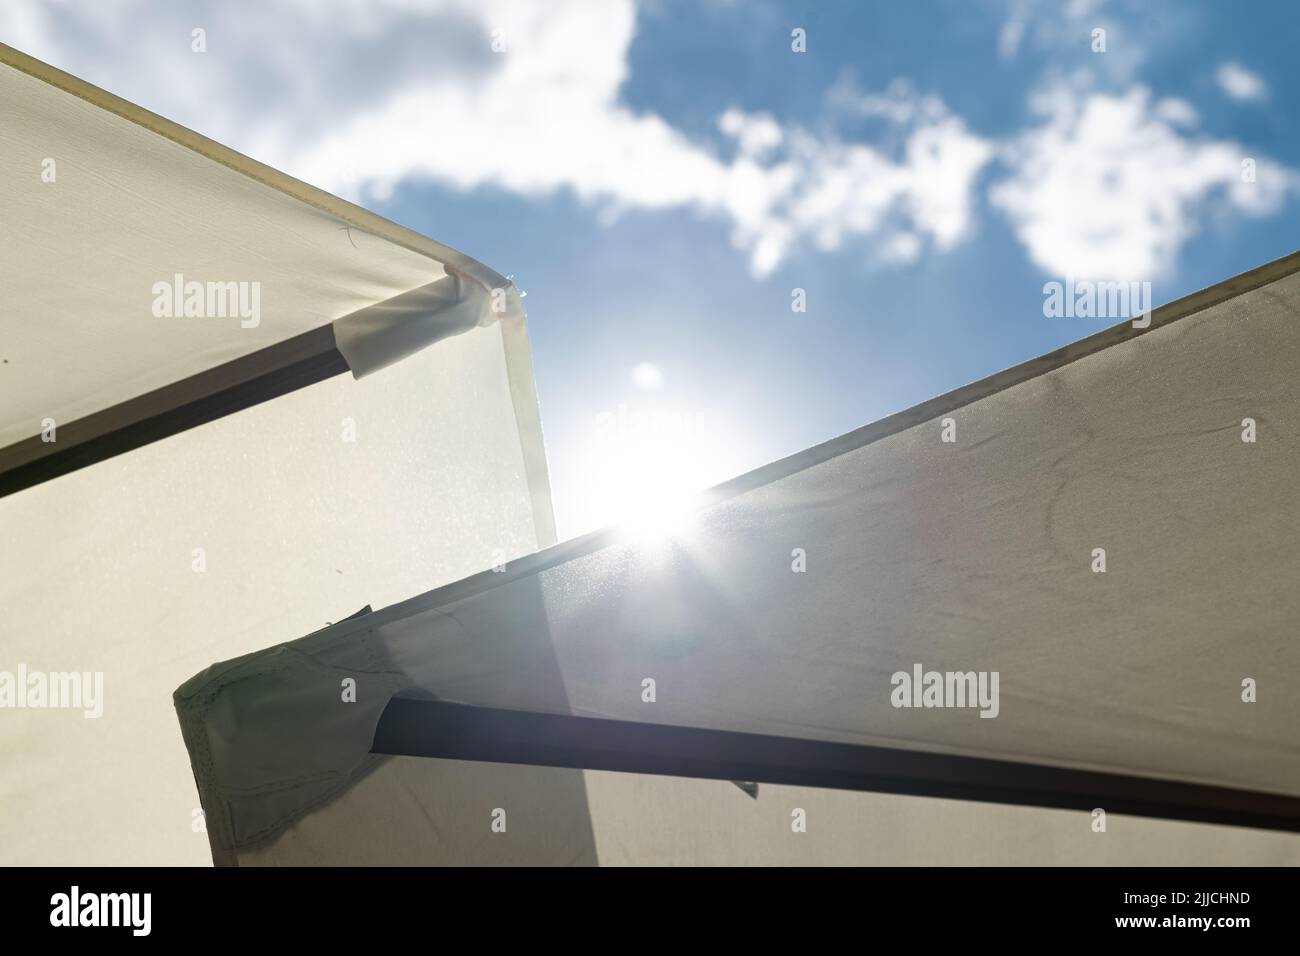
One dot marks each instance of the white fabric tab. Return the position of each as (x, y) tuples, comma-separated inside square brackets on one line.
[(386, 332)]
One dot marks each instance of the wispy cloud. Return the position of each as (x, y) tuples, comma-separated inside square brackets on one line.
[(1110, 186), (533, 109), (359, 97), (1240, 83), (827, 191)]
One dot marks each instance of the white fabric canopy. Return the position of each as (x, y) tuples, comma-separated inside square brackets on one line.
[(109, 208), (416, 811), (977, 554), (219, 540), (974, 555)]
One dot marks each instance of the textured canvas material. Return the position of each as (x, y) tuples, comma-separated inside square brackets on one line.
[(114, 216), (975, 555), (219, 540)]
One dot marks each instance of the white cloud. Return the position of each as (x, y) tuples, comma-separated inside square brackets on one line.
[(902, 248), (1177, 112), (1060, 33), (1013, 29), (900, 103), (756, 135), (358, 97), (1240, 83), (829, 191), (1108, 187)]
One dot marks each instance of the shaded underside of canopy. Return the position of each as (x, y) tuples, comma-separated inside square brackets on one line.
[(100, 208), (417, 811), (217, 537), (295, 527), (154, 280), (973, 555)]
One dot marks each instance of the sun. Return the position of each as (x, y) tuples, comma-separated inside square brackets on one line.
[(644, 473)]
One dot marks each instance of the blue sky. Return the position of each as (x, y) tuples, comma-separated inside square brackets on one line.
[(658, 177)]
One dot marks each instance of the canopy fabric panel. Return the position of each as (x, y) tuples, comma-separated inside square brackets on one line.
[(413, 811), (973, 555), (219, 539), (297, 527), (139, 254)]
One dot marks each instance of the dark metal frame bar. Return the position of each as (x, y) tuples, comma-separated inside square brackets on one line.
[(231, 387), (425, 728)]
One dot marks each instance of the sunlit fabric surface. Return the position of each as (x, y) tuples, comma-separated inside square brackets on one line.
[(128, 208), (223, 539), (974, 555)]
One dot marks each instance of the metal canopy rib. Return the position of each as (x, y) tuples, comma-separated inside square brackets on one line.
[(424, 728)]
